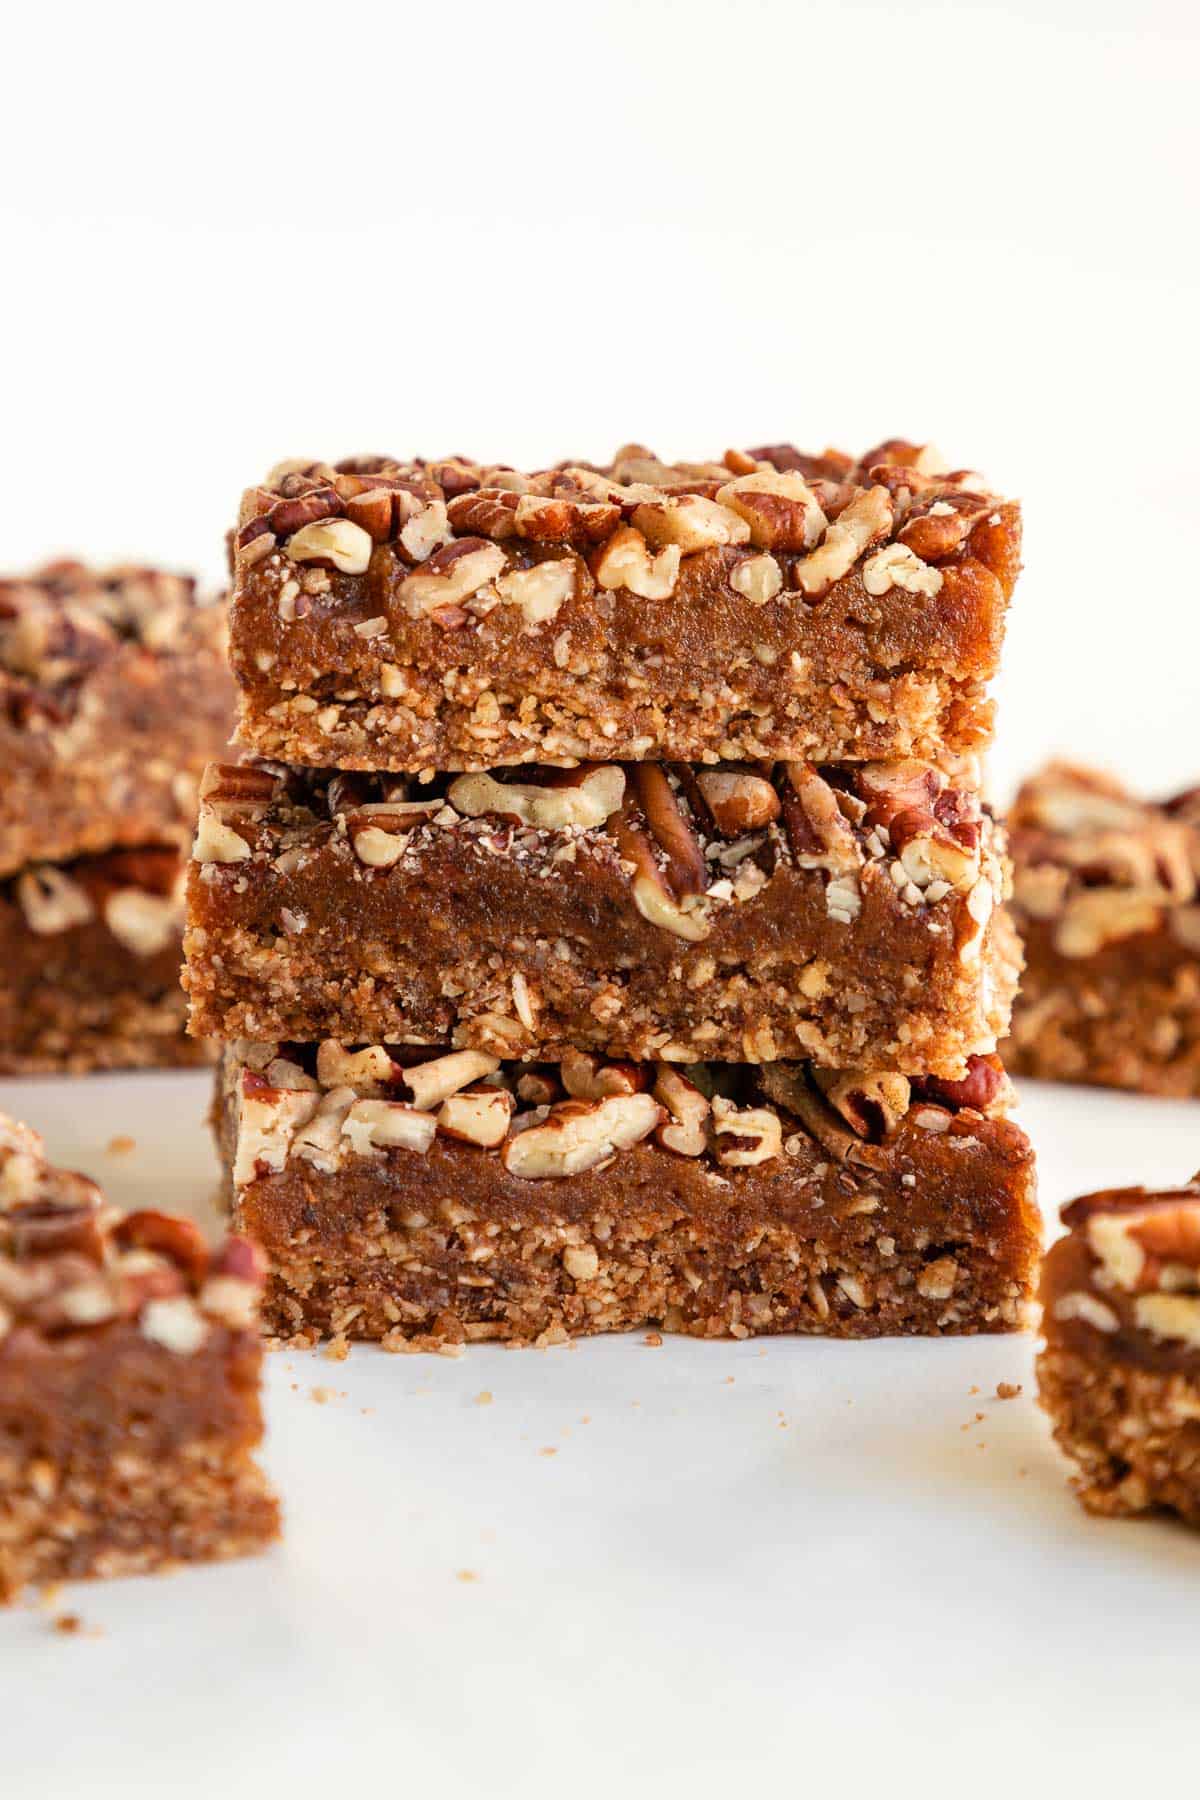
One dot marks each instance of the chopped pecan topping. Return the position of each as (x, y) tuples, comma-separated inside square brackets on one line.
[(584, 797)]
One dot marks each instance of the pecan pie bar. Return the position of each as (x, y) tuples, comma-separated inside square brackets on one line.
[(1107, 899), (90, 954), (427, 1203), (114, 693), (129, 1375), (846, 915), (451, 615), (1120, 1372)]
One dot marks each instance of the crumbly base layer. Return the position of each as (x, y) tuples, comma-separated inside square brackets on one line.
[(130, 1514), (435, 1284), (67, 1035), (560, 717), (787, 1005), (1109, 1027), (1134, 1432)]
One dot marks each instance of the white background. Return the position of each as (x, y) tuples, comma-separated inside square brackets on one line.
[(230, 235), (235, 234)]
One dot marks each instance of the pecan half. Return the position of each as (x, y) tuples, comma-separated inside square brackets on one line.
[(478, 1116), (452, 574), (745, 1136), (872, 1102), (690, 522)]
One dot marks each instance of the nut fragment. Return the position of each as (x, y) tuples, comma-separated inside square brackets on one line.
[(144, 923), (339, 1067), (217, 842), (625, 562), (866, 520), (268, 1120), (754, 1134), (539, 591), (578, 1134), (872, 1102), (51, 901), (587, 1077), (583, 797), (333, 544), (757, 578), (781, 510), (432, 1082), (737, 800), (689, 521), (686, 1131), (896, 565), (479, 1116), (387, 1125), (452, 574)]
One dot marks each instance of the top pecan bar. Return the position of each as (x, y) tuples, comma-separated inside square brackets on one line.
[(114, 693), (450, 615)]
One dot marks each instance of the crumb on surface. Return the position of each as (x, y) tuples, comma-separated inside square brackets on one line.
[(974, 1390), (70, 1624), (337, 1349), (1008, 1390), (467, 1575), (121, 1145), (484, 1397), (548, 1450), (653, 1339), (322, 1395)]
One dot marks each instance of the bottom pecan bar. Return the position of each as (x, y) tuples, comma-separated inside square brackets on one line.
[(428, 1201), (1107, 899), (90, 954), (1120, 1372), (129, 1371)]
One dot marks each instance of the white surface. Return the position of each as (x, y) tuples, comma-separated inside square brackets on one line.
[(746, 1568)]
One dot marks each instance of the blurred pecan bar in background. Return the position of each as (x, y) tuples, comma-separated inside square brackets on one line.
[(452, 615), (429, 1202), (1120, 1372), (1106, 895), (90, 953), (129, 1377), (846, 914), (114, 693)]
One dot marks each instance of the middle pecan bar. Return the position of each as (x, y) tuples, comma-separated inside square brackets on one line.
[(846, 915)]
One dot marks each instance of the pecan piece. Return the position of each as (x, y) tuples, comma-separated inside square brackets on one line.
[(866, 521), (584, 797), (587, 1077), (578, 1134), (477, 1116), (686, 1131), (817, 831), (690, 522), (332, 544), (452, 574), (180, 1240), (434, 1081), (754, 1134), (737, 800), (780, 509), (872, 1102), (625, 562)]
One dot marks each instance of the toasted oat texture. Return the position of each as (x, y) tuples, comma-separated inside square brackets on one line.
[(847, 914), (114, 693), (89, 966), (452, 615), (1107, 900), (129, 1372), (1120, 1372), (427, 1204)]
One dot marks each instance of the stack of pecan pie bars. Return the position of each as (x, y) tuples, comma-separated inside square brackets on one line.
[(605, 928)]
